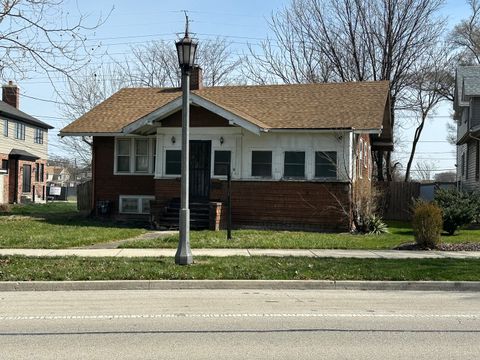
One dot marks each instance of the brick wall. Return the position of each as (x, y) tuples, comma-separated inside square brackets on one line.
[(9, 181), (108, 186), (277, 204)]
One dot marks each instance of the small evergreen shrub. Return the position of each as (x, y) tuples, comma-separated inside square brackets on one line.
[(375, 225), (427, 224), (459, 208)]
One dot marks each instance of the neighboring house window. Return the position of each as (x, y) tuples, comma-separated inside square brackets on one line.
[(135, 204), (325, 164), (221, 162), (27, 178), (123, 155), (38, 139), (5, 128), (141, 155), (4, 166), (477, 162), (463, 164), (262, 163), (173, 162), (19, 131), (294, 164)]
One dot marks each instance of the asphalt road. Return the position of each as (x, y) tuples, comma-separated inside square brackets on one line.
[(239, 324)]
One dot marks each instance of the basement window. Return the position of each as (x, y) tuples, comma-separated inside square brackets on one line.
[(135, 204)]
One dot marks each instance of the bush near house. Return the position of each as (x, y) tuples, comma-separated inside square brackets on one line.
[(459, 208), (427, 224)]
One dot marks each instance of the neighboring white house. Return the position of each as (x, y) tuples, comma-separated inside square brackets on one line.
[(467, 115)]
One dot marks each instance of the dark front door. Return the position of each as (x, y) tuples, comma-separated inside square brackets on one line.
[(200, 152)]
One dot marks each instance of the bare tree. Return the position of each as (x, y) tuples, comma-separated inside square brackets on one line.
[(424, 170), (154, 64), (429, 81), (39, 36), (355, 40), (81, 96), (465, 37)]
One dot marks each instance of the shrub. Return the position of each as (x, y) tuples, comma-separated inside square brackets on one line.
[(459, 208), (5, 208), (375, 225), (427, 224)]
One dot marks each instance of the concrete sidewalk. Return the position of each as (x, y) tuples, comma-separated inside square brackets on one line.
[(132, 253)]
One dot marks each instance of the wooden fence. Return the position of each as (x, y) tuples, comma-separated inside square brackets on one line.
[(84, 196), (397, 199)]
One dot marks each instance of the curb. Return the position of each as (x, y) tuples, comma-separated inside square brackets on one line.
[(239, 284)]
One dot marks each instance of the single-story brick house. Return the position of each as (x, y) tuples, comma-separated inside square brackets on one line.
[(23, 151), (297, 152)]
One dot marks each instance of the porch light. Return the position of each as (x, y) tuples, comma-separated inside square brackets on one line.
[(173, 139), (222, 140)]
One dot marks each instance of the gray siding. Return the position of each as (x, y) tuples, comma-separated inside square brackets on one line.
[(468, 180)]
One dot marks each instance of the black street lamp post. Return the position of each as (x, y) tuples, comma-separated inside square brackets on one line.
[(186, 49)]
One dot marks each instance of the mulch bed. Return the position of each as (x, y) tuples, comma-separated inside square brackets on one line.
[(443, 247)]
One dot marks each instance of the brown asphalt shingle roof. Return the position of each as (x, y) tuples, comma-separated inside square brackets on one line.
[(357, 105)]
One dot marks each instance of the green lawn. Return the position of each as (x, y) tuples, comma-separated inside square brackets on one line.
[(19, 268), (400, 233), (57, 225)]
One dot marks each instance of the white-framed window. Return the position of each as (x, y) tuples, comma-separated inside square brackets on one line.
[(38, 138), (326, 164), (141, 155), (5, 127), (370, 162), (135, 204), (294, 164), (19, 131), (135, 155), (261, 163)]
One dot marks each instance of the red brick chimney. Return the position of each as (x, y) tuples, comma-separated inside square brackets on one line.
[(196, 78), (10, 94)]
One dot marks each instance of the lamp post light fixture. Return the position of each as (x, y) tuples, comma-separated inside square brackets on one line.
[(186, 49)]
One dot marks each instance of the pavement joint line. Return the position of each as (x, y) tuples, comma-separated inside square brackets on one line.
[(473, 316), (313, 253), (141, 285)]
